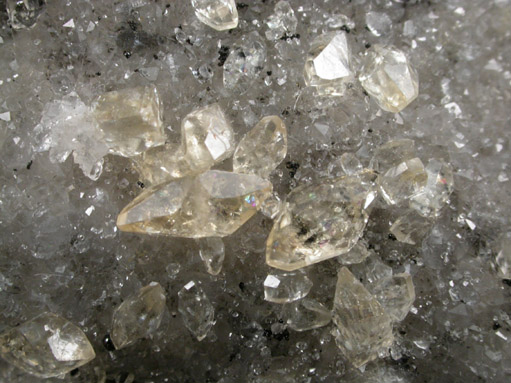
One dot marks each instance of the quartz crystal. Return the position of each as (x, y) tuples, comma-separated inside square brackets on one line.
[(282, 22), (350, 164), (213, 204), (403, 181), (392, 153), (307, 314), (285, 287), (212, 253), (363, 327), (46, 346), (262, 149), (24, 13), (328, 64), (389, 78), (396, 294), (130, 120), (197, 311), (138, 316), (503, 258), (410, 228), (217, 14), (371, 270), (320, 221), (357, 254)]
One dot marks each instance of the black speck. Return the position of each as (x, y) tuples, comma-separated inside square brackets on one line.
[(242, 286), (141, 184), (392, 237), (290, 37), (223, 53), (74, 372), (29, 164), (365, 93), (507, 282), (241, 5), (284, 335), (98, 73), (368, 46), (133, 25), (311, 239), (292, 166), (269, 73), (14, 170), (155, 57), (369, 130), (496, 326), (127, 54), (346, 29), (107, 343)]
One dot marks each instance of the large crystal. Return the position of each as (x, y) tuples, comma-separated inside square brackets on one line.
[(197, 311), (218, 14), (328, 64), (364, 328), (503, 258), (410, 228), (262, 149), (396, 294), (212, 253), (285, 287), (306, 314), (320, 221), (282, 22), (24, 13), (46, 346), (389, 78), (130, 120), (138, 316)]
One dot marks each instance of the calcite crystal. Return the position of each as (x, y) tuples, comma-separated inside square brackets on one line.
[(286, 287), (321, 221), (282, 22), (130, 120), (138, 316), (396, 294), (212, 253), (46, 346), (196, 310), (262, 149), (306, 314), (213, 204), (389, 78), (217, 14)]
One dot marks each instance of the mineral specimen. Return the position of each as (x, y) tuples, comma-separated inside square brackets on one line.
[(396, 294), (212, 253), (307, 314), (217, 14), (286, 287), (282, 22), (46, 346), (197, 311)]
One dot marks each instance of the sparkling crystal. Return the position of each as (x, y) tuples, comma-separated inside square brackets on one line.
[(322, 221), (46, 346), (212, 253), (284, 287), (392, 153), (350, 164), (24, 13), (245, 62), (378, 23), (410, 228), (138, 316), (130, 120), (307, 314), (396, 294), (197, 311), (271, 207), (217, 14), (282, 22), (503, 258), (389, 78), (403, 181), (357, 254), (328, 64), (262, 149), (364, 328), (213, 204), (371, 270)]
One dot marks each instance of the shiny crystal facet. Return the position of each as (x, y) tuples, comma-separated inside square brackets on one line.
[(217, 14), (410, 228), (307, 314), (396, 294), (389, 78), (130, 120), (357, 254), (371, 270), (262, 149), (197, 311), (403, 181), (328, 64), (24, 13), (503, 258), (364, 328), (212, 253), (213, 204), (286, 287), (350, 164), (392, 153), (282, 22), (322, 221), (138, 316), (46, 346)]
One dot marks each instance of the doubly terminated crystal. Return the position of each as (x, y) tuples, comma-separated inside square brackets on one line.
[(130, 120), (197, 311), (328, 64), (364, 328), (262, 149), (282, 22), (46, 346), (212, 253), (322, 221), (217, 14), (138, 316), (286, 287), (213, 204), (396, 294), (389, 78), (307, 314)]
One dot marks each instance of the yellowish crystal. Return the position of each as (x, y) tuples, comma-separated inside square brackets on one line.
[(410, 228), (217, 14), (403, 181), (396, 294)]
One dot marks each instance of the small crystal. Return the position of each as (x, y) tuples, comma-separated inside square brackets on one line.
[(197, 311), (286, 287), (378, 23), (392, 153), (403, 181), (357, 254), (24, 13), (212, 253), (371, 270), (46, 346), (262, 149), (350, 164), (307, 314), (396, 294), (130, 120), (388, 77), (503, 258), (364, 328), (410, 228), (271, 207), (138, 316), (328, 64), (282, 22), (217, 14)]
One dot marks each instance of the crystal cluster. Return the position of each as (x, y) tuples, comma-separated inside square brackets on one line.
[(217, 14)]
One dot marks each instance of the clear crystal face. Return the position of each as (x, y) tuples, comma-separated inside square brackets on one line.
[(396, 294), (306, 314), (46, 346), (24, 13), (282, 22), (389, 78), (262, 149), (217, 14), (286, 287), (403, 181), (392, 154), (212, 253), (411, 228), (196, 310), (357, 254)]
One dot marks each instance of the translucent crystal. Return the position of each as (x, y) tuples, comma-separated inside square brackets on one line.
[(364, 328), (371, 270), (271, 207), (357, 254), (396, 294), (138, 316), (217, 14), (197, 311), (389, 78), (130, 120), (212, 253), (392, 153), (328, 64), (46, 346), (285, 287), (378, 23), (403, 181), (410, 228), (245, 62), (321, 221), (503, 258), (213, 204), (307, 314), (262, 149), (350, 164), (24, 13), (282, 22)]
